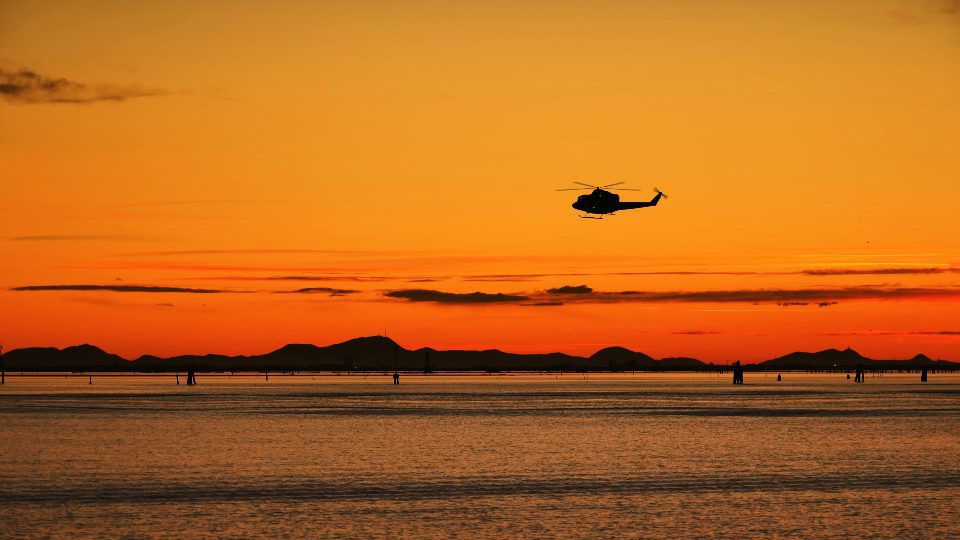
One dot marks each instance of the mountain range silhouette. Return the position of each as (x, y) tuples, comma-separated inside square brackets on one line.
[(378, 353)]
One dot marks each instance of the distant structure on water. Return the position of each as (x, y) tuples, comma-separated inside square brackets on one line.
[(737, 373), (861, 375)]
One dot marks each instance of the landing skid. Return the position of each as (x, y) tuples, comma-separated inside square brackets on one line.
[(585, 216)]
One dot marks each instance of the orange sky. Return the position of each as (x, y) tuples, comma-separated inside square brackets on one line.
[(384, 146)]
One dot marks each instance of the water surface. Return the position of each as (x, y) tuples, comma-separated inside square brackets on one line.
[(679, 455)]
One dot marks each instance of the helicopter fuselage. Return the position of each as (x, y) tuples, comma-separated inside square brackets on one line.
[(600, 201)]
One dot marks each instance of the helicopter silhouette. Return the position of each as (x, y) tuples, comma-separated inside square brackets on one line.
[(602, 202)]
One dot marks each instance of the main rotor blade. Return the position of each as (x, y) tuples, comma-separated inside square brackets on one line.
[(575, 189), (625, 189), (582, 184), (613, 184)]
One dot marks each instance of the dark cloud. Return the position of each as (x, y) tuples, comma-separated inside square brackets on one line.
[(696, 333), (119, 288), (428, 295), (27, 87), (544, 304), (321, 290), (818, 304), (821, 297), (571, 289)]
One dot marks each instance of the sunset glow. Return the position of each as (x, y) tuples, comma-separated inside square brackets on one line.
[(233, 177)]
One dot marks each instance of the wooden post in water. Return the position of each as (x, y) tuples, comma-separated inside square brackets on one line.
[(396, 364), (923, 375), (90, 379), (3, 367)]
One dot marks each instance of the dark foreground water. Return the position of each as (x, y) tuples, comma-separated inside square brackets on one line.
[(480, 456)]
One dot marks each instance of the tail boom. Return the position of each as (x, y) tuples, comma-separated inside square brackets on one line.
[(632, 205)]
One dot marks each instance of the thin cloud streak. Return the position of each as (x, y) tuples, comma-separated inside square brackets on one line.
[(775, 295), (894, 333), (26, 87), (121, 288), (357, 279), (319, 290), (271, 251), (879, 271), (78, 238)]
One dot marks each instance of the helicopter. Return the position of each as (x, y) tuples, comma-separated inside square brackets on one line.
[(602, 202)]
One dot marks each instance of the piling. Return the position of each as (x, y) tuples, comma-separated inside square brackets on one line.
[(396, 364), (923, 375)]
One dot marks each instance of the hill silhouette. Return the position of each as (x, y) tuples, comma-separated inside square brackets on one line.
[(85, 357), (848, 359), (379, 353)]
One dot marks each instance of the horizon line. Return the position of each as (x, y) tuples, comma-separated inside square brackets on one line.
[(403, 349)]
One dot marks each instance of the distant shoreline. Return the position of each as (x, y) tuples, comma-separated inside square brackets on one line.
[(366, 374), (379, 354)]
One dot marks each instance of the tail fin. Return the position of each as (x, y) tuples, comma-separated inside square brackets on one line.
[(660, 195)]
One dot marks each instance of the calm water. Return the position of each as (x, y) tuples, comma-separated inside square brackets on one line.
[(480, 456)]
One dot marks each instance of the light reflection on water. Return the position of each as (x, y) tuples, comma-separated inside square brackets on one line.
[(599, 455)]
